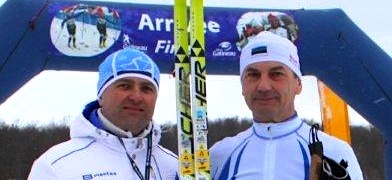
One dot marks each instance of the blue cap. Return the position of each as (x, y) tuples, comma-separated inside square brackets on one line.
[(127, 62)]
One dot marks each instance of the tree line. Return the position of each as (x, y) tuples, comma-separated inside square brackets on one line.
[(20, 146)]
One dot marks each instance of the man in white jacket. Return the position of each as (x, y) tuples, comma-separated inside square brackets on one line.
[(276, 146), (114, 137)]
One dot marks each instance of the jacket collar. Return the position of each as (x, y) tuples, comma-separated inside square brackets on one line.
[(277, 130), (85, 127)]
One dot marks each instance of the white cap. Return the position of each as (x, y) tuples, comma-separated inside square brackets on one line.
[(267, 46)]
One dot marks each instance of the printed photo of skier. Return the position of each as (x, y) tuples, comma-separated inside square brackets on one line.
[(85, 30), (252, 23)]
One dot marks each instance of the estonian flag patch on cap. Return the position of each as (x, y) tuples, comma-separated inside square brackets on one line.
[(259, 50)]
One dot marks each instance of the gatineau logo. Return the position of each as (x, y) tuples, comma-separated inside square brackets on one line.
[(224, 49), (99, 175)]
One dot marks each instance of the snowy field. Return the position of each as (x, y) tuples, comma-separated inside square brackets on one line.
[(87, 39)]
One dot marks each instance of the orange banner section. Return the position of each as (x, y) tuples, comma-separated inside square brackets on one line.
[(334, 113)]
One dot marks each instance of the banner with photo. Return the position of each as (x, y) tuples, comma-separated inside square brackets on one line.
[(88, 30)]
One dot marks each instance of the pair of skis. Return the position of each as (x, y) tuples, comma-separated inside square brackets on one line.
[(191, 100)]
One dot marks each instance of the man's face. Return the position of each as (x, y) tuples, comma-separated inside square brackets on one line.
[(269, 89), (129, 103)]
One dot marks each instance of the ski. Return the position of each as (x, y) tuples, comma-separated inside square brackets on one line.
[(183, 101), (198, 90), (191, 100)]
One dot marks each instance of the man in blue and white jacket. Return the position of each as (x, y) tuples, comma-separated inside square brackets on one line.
[(276, 146), (114, 137)]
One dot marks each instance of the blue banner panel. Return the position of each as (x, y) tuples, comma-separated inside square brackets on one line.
[(81, 30)]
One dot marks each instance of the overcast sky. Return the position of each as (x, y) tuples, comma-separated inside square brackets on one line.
[(53, 95)]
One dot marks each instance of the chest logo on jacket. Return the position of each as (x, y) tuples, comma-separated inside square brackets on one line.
[(101, 174)]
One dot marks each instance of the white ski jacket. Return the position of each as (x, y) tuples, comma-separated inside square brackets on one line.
[(275, 151), (93, 153)]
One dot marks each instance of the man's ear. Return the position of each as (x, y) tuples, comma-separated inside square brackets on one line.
[(298, 89), (99, 100), (242, 89)]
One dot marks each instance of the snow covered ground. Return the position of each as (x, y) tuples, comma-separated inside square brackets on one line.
[(87, 39)]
